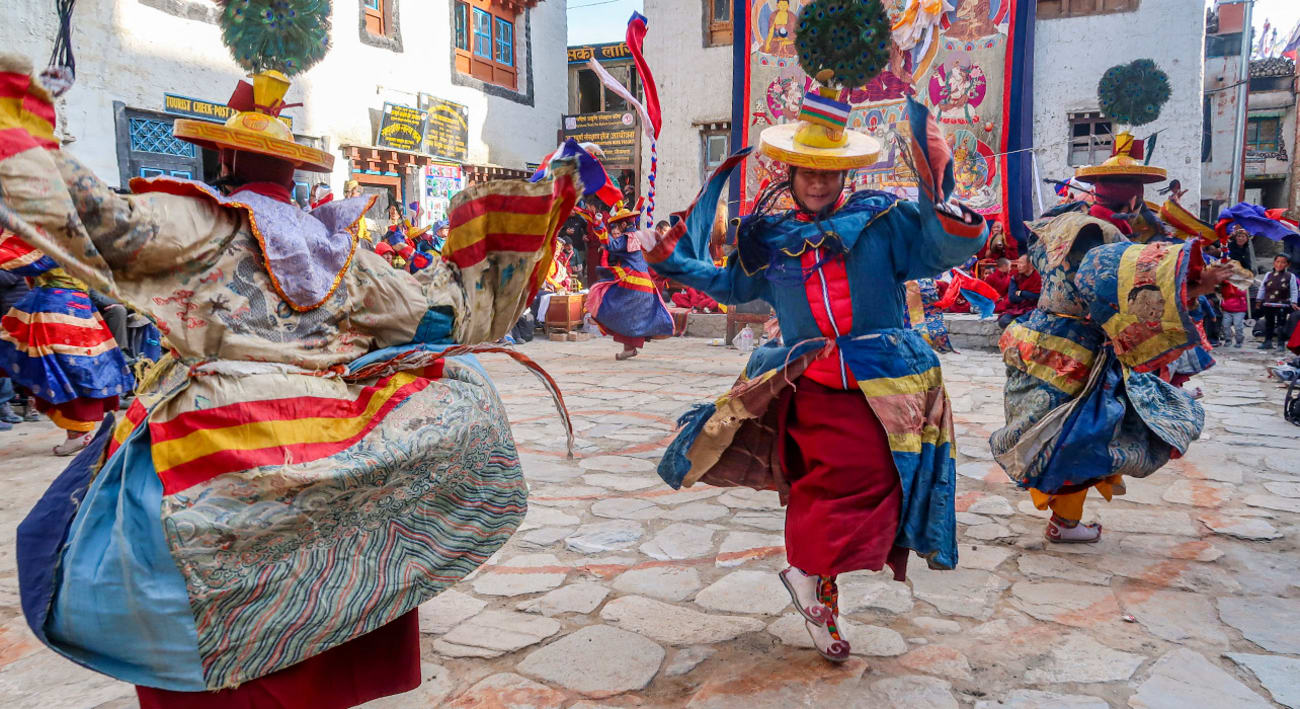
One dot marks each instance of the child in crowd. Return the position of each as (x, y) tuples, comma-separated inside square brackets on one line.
[(1000, 279), (1278, 296), (1235, 305)]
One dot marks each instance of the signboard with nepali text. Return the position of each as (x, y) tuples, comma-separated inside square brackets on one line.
[(402, 128), (616, 133), (447, 131), (611, 51)]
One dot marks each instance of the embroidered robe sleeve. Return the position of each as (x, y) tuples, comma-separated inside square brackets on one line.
[(925, 241), (56, 204), (683, 254)]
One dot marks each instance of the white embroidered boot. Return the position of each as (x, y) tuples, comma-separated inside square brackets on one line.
[(74, 444), (1060, 531), (826, 638), (803, 590)]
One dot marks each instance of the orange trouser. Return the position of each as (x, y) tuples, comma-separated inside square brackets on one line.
[(1070, 506)]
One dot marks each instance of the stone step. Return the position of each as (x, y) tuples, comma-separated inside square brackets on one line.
[(968, 332)]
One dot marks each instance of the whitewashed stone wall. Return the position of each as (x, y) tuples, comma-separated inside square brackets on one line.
[(131, 51), (1071, 54), (694, 88)]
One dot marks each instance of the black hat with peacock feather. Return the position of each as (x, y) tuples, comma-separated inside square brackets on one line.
[(842, 44), (273, 40), (1130, 95)]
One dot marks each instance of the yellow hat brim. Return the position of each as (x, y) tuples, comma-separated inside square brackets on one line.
[(215, 136), (778, 143), (1146, 174)]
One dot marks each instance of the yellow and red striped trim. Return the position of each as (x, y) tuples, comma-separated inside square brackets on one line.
[(26, 115), (135, 415), (57, 334), (1060, 362), (197, 446), (635, 280)]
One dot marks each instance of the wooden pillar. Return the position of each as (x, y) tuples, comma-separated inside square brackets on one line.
[(1293, 199)]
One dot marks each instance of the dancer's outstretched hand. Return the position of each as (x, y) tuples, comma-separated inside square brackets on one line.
[(1211, 277), (648, 238)]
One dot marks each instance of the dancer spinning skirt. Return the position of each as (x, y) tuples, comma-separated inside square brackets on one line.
[(55, 345), (847, 419), (316, 456), (1085, 399), (1087, 394), (624, 301)]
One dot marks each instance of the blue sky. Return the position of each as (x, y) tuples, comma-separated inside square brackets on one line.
[(592, 21), (595, 21)]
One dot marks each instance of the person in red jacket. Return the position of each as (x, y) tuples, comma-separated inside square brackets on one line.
[(1022, 293), (1000, 278), (1235, 304)]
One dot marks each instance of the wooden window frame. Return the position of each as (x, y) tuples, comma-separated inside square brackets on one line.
[(374, 17), (498, 45), (486, 68), (1253, 142), (461, 28), (718, 31), (1057, 9), (380, 26), (706, 168), (1098, 150)]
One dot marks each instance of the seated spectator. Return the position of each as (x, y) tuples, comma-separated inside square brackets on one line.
[(1022, 292), (999, 244), (1000, 278), (12, 289), (695, 301)]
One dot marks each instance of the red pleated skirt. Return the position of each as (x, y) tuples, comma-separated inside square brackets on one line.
[(845, 496), (81, 414), (378, 664)]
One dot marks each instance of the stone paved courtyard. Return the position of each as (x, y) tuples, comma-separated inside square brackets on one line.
[(619, 592)]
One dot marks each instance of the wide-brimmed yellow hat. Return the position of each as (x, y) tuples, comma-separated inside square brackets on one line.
[(819, 139), (1123, 165), (258, 131), (621, 213)]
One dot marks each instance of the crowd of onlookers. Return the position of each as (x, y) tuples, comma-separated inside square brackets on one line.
[(12, 289), (1272, 305)]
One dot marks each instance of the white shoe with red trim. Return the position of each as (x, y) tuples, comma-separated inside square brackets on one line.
[(1078, 534)]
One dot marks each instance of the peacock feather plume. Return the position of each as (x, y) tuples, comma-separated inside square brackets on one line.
[(848, 37), (1133, 93), (288, 36)]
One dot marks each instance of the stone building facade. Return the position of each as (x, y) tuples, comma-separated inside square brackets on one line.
[(1270, 129), (142, 62), (1073, 50), (691, 60)]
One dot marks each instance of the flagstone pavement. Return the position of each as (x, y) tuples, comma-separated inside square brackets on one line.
[(619, 592)]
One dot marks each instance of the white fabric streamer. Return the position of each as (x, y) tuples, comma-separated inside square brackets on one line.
[(612, 84)]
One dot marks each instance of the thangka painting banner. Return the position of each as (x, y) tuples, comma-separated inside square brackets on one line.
[(954, 56)]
